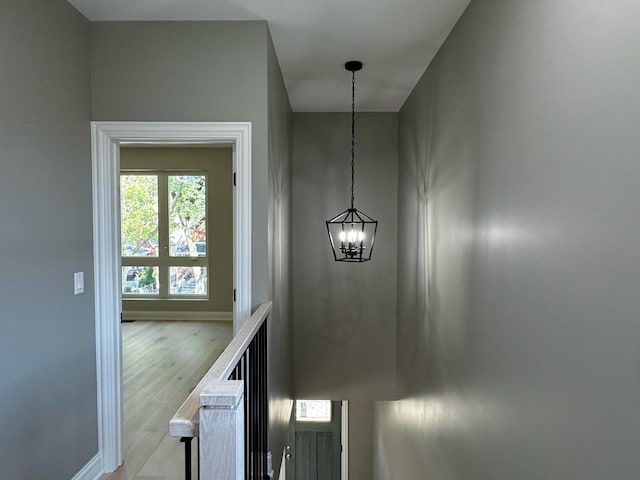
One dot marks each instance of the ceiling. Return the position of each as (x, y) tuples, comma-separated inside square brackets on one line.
[(395, 39)]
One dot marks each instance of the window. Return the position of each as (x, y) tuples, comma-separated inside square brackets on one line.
[(318, 411), (164, 234)]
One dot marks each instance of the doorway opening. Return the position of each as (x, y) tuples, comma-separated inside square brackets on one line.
[(318, 441), (177, 291), (176, 232), (107, 138)]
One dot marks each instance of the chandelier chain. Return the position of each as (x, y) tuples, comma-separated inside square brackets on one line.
[(353, 133), (352, 233)]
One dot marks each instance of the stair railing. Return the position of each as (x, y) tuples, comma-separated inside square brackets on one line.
[(228, 410)]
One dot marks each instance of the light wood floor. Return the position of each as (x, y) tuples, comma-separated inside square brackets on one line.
[(162, 363)]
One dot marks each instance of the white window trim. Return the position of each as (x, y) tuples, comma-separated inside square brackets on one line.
[(106, 139)]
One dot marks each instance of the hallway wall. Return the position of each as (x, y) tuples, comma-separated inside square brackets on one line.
[(518, 332), (207, 72), (279, 237), (48, 402), (344, 313), (360, 440), (216, 71)]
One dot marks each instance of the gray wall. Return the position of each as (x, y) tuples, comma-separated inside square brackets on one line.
[(518, 333), (344, 314), (47, 341), (280, 336), (361, 440), (190, 71)]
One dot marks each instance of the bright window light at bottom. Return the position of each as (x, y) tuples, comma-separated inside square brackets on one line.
[(313, 410)]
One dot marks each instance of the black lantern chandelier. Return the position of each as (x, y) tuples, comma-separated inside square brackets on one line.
[(352, 233)]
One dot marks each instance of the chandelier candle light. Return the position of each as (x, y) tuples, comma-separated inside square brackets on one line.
[(352, 233)]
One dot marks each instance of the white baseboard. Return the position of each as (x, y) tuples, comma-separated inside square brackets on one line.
[(177, 316), (92, 470)]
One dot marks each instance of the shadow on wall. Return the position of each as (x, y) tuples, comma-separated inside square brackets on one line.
[(417, 297), (436, 176), (341, 294), (279, 258)]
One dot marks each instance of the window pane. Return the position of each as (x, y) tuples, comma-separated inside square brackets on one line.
[(187, 215), (140, 280), (313, 410), (139, 212), (188, 280)]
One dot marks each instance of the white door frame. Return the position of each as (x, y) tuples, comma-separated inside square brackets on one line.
[(344, 439), (106, 138)]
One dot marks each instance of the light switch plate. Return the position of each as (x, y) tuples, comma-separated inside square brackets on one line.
[(78, 283)]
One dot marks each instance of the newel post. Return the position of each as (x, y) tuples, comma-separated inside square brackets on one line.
[(222, 431)]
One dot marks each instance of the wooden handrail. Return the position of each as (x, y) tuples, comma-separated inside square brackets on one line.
[(185, 422)]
